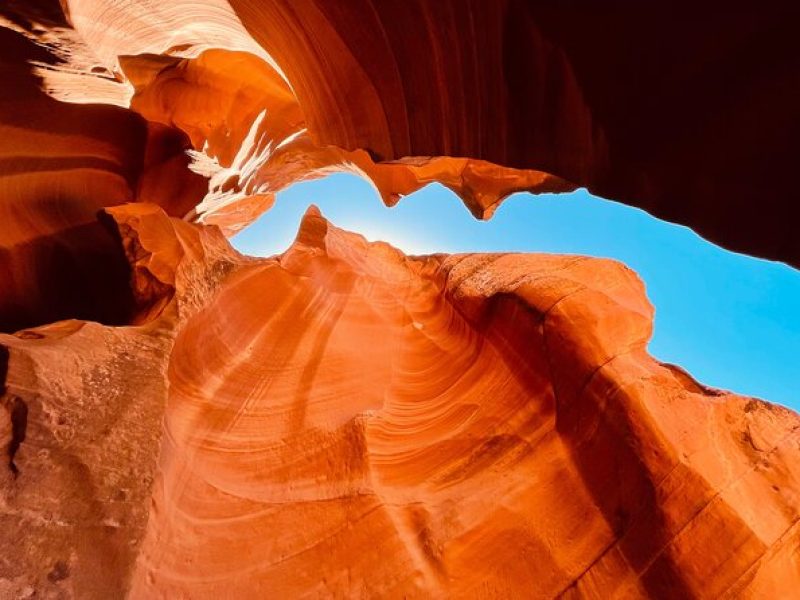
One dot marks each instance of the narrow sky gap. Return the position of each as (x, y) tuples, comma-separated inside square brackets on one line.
[(731, 320)]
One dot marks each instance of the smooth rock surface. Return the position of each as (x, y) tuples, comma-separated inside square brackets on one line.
[(347, 421), (181, 421), (343, 420)]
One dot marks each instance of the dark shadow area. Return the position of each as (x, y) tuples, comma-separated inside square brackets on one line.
[(18, 411), (24, 12), (61, 164), (690, 115), (699, 110), (56, 260), (78, 273)]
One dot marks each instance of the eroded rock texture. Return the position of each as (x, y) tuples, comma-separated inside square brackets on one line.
[(178, 420), (343, 420), (689, 115)]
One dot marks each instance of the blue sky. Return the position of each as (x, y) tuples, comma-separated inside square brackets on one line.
[(730, 320)]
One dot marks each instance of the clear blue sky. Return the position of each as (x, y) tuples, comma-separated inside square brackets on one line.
[(730, 320)]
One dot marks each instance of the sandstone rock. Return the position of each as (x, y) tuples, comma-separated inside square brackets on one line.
[(61, 164), (81, 413), (178, 420), (700, 116), (345, 420)]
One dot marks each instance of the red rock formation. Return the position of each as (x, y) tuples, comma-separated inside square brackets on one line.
[(241, 113), (355, 422), (342, 420), (61, 163), (677, 114), (80, 419), (690, 115)]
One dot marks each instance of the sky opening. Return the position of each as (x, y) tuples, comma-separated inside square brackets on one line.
[(731, 320)]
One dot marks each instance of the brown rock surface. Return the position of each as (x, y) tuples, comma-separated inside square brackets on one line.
[(61, 163), (80, 419), (342, 420), (689, 113), (691, 117)]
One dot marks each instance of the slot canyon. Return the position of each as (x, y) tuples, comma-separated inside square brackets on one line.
[(343, 420)]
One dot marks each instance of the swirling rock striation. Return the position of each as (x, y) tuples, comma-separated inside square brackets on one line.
[(61, 163), (344, 420), (178, 420)]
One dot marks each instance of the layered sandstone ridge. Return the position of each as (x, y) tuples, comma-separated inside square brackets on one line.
[(348, 421), (343, 420)]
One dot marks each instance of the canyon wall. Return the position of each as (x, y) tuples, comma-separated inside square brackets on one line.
[(689, 115), (179, 420), (343, 420)]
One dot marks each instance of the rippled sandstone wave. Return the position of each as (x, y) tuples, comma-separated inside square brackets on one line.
[(342, 420)]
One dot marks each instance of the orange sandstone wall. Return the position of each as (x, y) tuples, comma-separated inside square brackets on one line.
[(687, 113), (344, 420), (61, 163), (178, 420), (690, 116)]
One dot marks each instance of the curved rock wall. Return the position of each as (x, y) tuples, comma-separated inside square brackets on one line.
[(344, 420), (687, 114), (179, 420), (689, 117), (60, 164)]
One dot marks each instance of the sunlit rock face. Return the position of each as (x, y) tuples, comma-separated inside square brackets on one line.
[(178, 420), (343, 420)]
